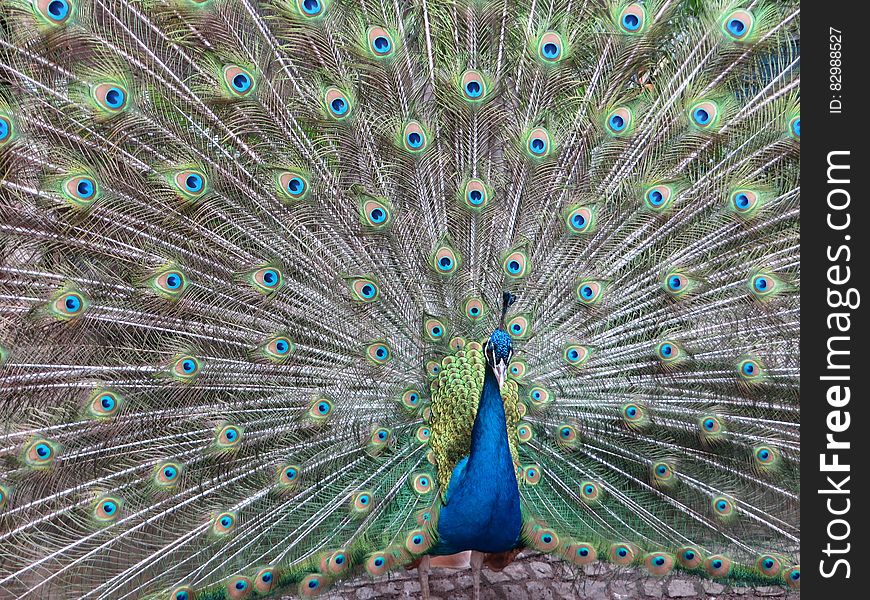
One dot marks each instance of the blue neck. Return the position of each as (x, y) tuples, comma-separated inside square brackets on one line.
[(483, 502)]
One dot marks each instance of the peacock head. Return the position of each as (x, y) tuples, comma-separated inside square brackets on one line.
[(499, 348)]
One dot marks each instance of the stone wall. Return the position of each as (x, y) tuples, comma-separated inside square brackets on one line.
[(540, 577)]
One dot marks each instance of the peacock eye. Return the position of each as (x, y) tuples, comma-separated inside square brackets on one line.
[(575, 354), (476, 194), (56, 12), (364, 289), (550, 47), (278, 349), (110, 97), (337, 103), (474, 308), (704, 115), (538, 142), (632, 19), (292, 185), (375, 214), (310, 8), (81, 190), (473, 86), (5, 129), (738, 24), (68, 305), (794, 127), (580, 220), (267, 280), (380, 42), (434, 330), (107, 509), (445, 260), (744, 202), (516, 264), (239, 82), (590, 292), (619, 121), (223, 524), (191, 184), (40, 453), (414, 137), (104, 404)]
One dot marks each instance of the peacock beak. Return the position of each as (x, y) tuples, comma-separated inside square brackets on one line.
[(500, 370)]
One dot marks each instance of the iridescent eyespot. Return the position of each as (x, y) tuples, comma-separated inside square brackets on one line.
[(473, 86), (320, 409), (418, 541), (690, 557), (81, 190), (619, 121), (264, 580), (107, 509), (361, 503), (457, 343), (474, 309), (766, 457), (377, 564), (378, 353), (663, 474), (634, 415), (266, 280), (169, 284), (103, 404), (539, 396), (434, 330), (550, 47), (723, 507), (576, 355), (191, 184), (414, 137), (545, 540), (517, 369), (531, 474), (738, 24), (411, 399), (516, 265), (704, 115), (659, 563), (632, 19), (793, 577), (364, 289), (589, 491), (445, 260), (375, 214), (581, 220), (6, 129), (621, 554), (311, 584), (338, 105), (55, 12), (710, 426), (589, 291), (288, 476), (678, 284), (293, 185), (4, 496), (475, 195), (239, 82), (717, 566), (380, 42), (519, 326), (581, 553), (278, 349), (228, 436), (433, 368), (750, 370), (669, 352), (421, 483), (182, 593), (223, 524), (379, 439), (40, 453), (659, 198), (186, 368), (794, 127), (524, 432), (310, 8), (110, 97), (167, 474), (744, 202), (538, 143), (764, 285), (566, 435), (338, 562), (423, 434), (69, 305), (769, 565)]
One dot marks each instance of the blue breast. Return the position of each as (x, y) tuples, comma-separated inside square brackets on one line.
[(482, 510)]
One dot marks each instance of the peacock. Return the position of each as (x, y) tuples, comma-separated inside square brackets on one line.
[(296, 291)]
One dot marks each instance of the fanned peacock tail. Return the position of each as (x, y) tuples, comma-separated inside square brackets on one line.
[(251, 251)]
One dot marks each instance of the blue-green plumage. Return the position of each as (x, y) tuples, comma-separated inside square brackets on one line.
[(482, 509)]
